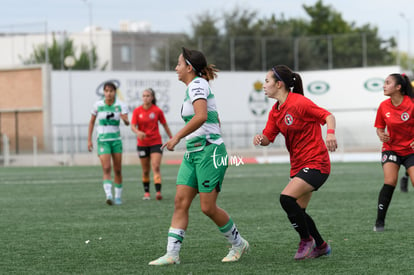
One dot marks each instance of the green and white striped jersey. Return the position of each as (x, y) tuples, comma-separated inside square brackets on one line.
[(210, 131), (108, 119)]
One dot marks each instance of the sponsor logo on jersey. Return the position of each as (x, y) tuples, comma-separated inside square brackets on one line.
[(288, 119)]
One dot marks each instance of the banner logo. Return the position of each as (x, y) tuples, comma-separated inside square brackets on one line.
[(374, 84), (318, 87)]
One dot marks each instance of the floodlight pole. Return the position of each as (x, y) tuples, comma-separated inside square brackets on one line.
[(408, 41), (89, 4), (69, 63)]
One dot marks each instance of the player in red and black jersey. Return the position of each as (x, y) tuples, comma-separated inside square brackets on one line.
[(299, 120), (395, 128), (144, 124)]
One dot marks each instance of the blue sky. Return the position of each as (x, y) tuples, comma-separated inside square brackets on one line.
[(176, 15)]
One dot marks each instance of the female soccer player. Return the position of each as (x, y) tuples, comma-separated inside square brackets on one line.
[(395, 128), (144, 123), (299, 120), (198, 173), (109, 112)]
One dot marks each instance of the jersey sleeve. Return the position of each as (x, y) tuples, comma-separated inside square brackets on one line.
[(314, 111), (124, 108), (161, 117), (271, 130), (379, 119), (197, 90), (94, 110), (134, 118)]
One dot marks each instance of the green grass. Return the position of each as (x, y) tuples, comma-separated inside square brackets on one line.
[(47, 214)]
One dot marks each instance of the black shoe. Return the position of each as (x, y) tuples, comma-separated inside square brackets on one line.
[(404, 184)]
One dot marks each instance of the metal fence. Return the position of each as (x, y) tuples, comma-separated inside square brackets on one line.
[(239, 53)]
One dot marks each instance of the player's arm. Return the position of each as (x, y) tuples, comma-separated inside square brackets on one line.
[(200, 116), (90, 131), (140, 134), (167, 129), (331, 142), (125, 118), (383, 135)]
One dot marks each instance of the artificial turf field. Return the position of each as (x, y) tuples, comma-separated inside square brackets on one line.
[(53, 220)]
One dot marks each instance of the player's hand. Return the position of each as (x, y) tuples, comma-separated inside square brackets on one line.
[(141, 135), (257, 139), (384, 137), (170, 144), (90, 146), (331, 142)]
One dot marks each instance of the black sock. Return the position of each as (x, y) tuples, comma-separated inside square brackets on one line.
[(384, 200), (158, 187), (295, 215), (313, 231), (146, 185)]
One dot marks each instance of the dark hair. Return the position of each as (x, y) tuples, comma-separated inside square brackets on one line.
[(404, 81), (198, 61), (292, 80), (110, 84), (154, 99)]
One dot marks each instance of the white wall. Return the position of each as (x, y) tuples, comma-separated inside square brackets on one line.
[(351, 94)]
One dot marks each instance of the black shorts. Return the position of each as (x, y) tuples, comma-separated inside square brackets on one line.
[(313, 177), (391, 156), (146, 151)]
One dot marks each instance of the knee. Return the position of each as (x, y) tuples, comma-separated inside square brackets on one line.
[(118, 172), (106, 169), (208, 210), (287, 202), (181, 203)]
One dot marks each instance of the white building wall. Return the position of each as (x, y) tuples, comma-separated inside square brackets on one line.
[(352, 95), (16, 48)]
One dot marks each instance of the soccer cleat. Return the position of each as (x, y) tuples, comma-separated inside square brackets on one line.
[(236, 252), (305, 248), (379, 226), (323, 250), (147, 196), (404, 184), (166, 260), (109, 200), (118, 201), (158, 197)]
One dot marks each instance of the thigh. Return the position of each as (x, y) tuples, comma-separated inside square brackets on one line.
[(105, 161), (298, 188), (390, 173), (210, 172), (187, 173), (117, 161), (155, 160)]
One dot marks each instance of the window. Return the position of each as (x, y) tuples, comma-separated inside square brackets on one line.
[(126, 54)]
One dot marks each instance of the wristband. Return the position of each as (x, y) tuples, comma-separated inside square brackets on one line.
[(330, 131)]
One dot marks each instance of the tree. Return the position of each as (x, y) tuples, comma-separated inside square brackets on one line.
[(57, 53), (349, 46), (246, 42)]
